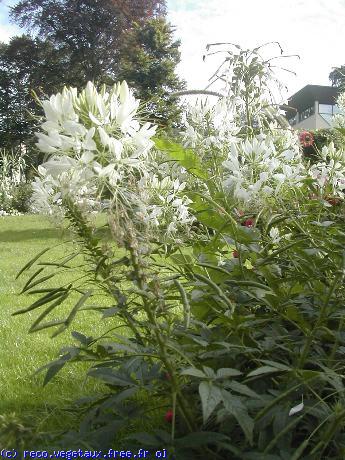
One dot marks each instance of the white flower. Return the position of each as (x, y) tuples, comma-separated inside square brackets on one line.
[(274, 234)]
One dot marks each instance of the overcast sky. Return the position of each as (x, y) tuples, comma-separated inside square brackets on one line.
[(314, 29)]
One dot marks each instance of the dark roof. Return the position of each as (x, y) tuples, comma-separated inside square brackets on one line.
[(306, 96)]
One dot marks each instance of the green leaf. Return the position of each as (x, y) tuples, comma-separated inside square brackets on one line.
[(325, 223), (37, 282), (186, 157), (111, 376), (52, 295), (193, 372), (227, 372), (210, 396), (81, 338), (112, 311), (341, 130), (243, 389), (31, 279), (31, 262), (36, 324), (279, 251), (48, 324), (234, 406), (62, 263), (55, 366), (276, 365), (274, 221), (263, 370), (249, 284), (73, 312), (294, 314)]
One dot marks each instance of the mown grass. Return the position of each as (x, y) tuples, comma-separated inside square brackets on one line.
[(21, 354)]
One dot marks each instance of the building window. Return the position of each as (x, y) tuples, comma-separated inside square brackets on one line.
[(328, 109), (306, 113)]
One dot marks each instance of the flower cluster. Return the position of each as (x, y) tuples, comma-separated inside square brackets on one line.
[(338, 120), (12, 167), (258, 166), (249, 167), (101, 155), (209, 126), (329, 173)]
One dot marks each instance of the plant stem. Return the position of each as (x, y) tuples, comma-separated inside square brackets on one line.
[(140, 277)]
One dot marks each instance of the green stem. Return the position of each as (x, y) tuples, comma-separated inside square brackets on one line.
[(140, 277)]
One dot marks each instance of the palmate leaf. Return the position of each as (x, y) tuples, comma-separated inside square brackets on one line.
[(112, 377), (243, 389), (194, 372), (186, 157), (226, 372), (234, 406), (55, 366), (210, 396)]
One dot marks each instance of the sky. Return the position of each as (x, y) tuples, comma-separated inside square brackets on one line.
[(313, 29)]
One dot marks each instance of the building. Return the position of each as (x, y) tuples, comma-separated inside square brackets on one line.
[(312, 107)]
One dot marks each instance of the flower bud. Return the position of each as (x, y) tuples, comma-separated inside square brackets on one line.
[(169, 416)]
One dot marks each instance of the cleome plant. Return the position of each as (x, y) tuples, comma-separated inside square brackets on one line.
[(222, 261)]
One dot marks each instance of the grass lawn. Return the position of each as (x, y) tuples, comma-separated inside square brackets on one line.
[(21, 354)]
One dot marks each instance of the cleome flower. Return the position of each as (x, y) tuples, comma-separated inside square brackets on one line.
[(101, 156)]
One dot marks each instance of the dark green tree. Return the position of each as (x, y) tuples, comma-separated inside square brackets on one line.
[(88, 33), (26, 65), (74, 41), (148, 59), (337, 76)]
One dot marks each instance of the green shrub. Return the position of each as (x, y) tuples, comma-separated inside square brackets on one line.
[(21, 196), (226, 342)]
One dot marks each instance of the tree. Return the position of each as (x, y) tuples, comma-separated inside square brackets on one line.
[(337, 76), (87, 32), (76, 41), (26, 65), (148, 58)]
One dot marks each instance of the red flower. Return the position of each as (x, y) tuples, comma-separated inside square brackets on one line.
[(306, 138), (167, 376), (235, 254), (169, 416), (248, 223)]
